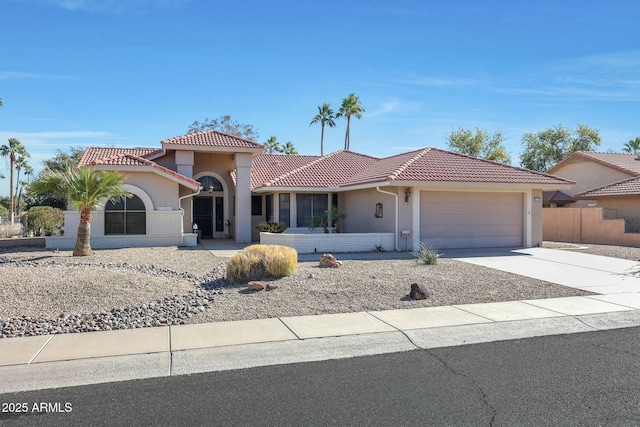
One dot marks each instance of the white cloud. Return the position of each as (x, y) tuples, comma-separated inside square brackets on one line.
[(432, 81), (110, 6)]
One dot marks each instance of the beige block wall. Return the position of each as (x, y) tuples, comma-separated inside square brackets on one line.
[(622, 207)]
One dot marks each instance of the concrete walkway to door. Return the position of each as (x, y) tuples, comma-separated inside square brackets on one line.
[(595, 273)]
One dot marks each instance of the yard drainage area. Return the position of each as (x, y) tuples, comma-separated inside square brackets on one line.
[(307, 243)]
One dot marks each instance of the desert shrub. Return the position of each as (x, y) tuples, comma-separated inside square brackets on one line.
[(44, 220), (271, 227), (258, 262), (4, 211), (427, 254)]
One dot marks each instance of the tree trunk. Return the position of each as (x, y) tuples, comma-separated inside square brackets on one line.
[(322, 141), (83, 244), (346, 135), (12, 161)]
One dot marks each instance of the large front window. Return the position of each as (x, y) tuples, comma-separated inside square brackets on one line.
[(310, 205), (125, 216)]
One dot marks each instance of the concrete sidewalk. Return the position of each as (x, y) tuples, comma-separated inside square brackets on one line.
[(53, 361)]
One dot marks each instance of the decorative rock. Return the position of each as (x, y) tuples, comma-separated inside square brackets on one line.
[(271, 286), (257, 285), (328, 260), (418, 292)]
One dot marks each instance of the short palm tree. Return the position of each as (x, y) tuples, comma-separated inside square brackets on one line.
[(12, 151), (633, 146), (272, 145), (288, 148), (350, 107), (325, 116), (85, 188)]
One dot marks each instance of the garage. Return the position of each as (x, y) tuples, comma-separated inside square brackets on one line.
[(451, 219)]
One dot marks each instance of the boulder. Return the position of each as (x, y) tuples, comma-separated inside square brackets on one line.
[(418, 291), (328, 260)]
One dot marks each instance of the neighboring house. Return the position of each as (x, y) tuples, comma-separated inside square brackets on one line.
[(592, 170), (557, 199), (225, 185), (619, 200)]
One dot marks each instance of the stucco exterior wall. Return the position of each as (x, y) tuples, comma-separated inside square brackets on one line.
[(621, 207), (335, 243), (536, 217), (585, 225), (360, 207), (588, 175), (163, 192)]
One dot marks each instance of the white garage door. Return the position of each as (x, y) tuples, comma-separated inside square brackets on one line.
[(471, 220)]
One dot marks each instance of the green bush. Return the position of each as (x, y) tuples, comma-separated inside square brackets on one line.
[(271, 227), (427, 254), (44, 220), (258, 262), (4, 211)]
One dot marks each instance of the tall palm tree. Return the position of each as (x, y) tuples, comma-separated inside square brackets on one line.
[(85, 188), (21, 162), (350, 107), (325, 116), (633, 146), (12, 152)]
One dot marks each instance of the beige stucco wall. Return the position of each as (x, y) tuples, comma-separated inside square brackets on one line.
[(621, 207), (360, 207), (163, 191), (585, 225), (536, 217)]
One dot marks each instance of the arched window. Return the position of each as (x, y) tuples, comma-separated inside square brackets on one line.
[(125, 216), (210, 183)]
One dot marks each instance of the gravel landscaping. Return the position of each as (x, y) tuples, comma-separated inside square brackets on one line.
[(44, 292), (623, 252)]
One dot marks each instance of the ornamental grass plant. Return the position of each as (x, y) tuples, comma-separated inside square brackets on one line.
[(259, 262)]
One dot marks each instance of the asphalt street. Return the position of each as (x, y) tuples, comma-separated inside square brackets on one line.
[(581, 379)]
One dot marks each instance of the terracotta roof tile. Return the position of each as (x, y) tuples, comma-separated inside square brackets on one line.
[(96, 153), (628, 187), (327, 171), (557, 197), (267, 167), (125, 159), (211, 138), (436, 165)]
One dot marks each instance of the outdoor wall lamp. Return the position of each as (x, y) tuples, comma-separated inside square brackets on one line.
[(211, 189), (407, 194)]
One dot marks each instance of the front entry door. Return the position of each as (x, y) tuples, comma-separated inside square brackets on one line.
[(203, 215)]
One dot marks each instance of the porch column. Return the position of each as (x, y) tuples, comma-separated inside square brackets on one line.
[(243, 198), (415, 220)]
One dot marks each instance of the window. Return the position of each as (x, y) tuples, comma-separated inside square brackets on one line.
[(256, 205), (210, 184), (125, 216), (285, 208), (269, 203), (309, 205)]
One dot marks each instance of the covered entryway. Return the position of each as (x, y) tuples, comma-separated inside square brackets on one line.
[(452, 219)]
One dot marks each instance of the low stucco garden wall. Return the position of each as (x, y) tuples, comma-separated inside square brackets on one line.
[(306, 243), (163, 229)]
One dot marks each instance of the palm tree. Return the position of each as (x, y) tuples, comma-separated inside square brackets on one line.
[(12, 151), (288, 148), (85, 188), (21, 162), (633, 146), (325, 116), (272, 145), (350, 107)]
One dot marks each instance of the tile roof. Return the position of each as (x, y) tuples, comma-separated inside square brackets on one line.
[(436, 165), (212, 138), (125, 159), (626, 188), (321, 171), (625, 162), (267, 167), (557, 197), (95, 153)]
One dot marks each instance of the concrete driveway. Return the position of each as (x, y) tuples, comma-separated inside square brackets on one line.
[(595, 273)]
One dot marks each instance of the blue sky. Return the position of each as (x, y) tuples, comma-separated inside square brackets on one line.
[(135, 72)]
